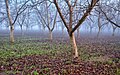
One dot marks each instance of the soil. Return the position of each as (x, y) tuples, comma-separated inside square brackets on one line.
[(62, 65)]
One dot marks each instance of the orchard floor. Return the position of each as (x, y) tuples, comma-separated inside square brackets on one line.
[(37, 55)]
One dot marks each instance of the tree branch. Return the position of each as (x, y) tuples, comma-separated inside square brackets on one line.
[(60, 13), (90, 7), (109, 19)]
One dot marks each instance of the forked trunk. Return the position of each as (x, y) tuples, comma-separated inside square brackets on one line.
[(74, 46), (12, 34), (50, 35)]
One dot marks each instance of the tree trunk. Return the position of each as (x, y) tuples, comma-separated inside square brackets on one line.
[(99, 25), (22, 31), (78, 32), (90, 30), (11, 34), (98, 32), (113, 34), (50, 35), (74, 46), (10, 22), (63, 35)]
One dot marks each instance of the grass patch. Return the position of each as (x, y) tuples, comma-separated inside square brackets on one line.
[(118, 71), (31, 46)]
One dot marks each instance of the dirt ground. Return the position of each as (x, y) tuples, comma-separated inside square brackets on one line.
[(97, 56)]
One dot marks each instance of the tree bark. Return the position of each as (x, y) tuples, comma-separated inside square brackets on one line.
[(113, 34), (78, 32), (50, 35), (10, 22), (12, 34), (99, 30), (99, 25), (91, 30), (22, 34), (74, 46), (63, 34)]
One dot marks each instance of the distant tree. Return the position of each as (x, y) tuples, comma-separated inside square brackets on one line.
[(48, 17), (113, 28), (111, 12), (3, 17), (101, 23), (21, 21), (90, 22)]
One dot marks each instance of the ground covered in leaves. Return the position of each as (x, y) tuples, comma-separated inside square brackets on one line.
[(35, 56)]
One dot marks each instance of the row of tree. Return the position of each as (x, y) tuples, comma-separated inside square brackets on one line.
[(70, 13)]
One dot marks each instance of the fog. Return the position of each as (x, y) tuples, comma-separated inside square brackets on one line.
[(83, 31)]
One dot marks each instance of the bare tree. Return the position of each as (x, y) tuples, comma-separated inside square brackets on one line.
[(12, 22), (21, 20), (70, 25), (48, 18), (113, 28), (111, 12), (101, 23), (90, 22)]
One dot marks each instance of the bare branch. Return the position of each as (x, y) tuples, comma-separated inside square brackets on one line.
[(60, 13), (93, 3), (109, 19)]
